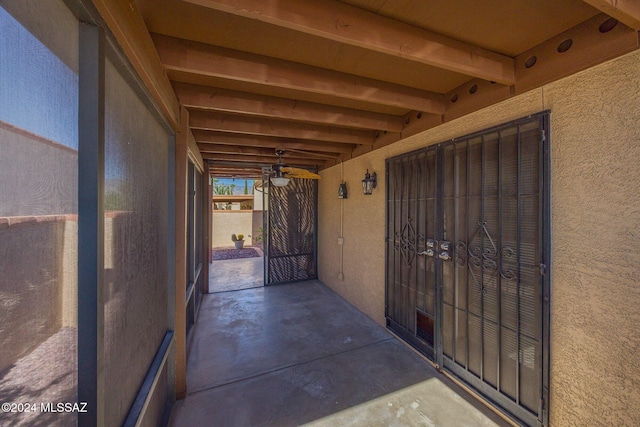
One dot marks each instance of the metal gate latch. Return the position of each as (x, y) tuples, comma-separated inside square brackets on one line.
[(444, 256), (444, 251), (428, 252), (430, 245)]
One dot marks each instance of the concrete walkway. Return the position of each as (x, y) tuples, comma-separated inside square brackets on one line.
[(234, 274), (294, 354)]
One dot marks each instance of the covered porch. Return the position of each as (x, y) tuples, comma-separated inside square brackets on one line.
[(499, 241), (299, 354)]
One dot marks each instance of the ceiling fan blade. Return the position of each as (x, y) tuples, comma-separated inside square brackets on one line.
[(299, 173)]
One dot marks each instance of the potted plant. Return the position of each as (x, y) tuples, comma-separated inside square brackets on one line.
[(238, 240)]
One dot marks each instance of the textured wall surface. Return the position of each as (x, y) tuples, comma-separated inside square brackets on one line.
[(30, 295), (595, 340), (52, 190), (595, 144), (227, 222), (364, 216), (257, 224)]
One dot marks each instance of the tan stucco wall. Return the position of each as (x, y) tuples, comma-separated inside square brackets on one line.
[(30, 297), (226, 223), (595, 156)]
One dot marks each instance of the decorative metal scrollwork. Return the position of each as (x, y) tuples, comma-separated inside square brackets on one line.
[(407, 240), (507, 274), (460, 254), (482, 252)]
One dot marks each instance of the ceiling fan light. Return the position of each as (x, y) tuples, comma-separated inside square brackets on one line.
[(279, 181)]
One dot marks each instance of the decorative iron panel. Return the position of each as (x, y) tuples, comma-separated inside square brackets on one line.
[(411, 281), (476, 233), (291, 234)]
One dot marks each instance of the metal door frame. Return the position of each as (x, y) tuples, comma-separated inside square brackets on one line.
[(493, 396), (269, 199), (265, 225), (412, 248)]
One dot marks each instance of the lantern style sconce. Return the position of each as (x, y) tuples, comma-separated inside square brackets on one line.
[(369, 182), (342, 191)]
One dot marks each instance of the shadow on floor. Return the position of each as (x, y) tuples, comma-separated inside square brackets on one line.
[(236, 274), (292, 354), (47, 374)]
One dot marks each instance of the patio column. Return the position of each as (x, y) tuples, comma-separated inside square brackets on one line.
[(182, 167), (91, 382)]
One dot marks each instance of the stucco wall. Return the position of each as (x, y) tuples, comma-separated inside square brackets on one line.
[(30, 298), (595, 370), (226, 223), (257, 235), (43, 175), (595, 180), (364, 216)]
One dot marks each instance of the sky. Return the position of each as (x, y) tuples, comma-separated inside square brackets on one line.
[(239, 184), (38, 92)]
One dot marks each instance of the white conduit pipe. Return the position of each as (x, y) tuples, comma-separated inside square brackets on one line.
[(341, 272)]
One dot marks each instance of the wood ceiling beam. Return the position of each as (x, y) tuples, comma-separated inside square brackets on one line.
[(553, 60), (347, 24), (224, 100), (264, 160), (259, 160), (474, 95), (315, 155), (223, 174), (204, 136), (232, 168), (625, 11), (251, 151), (244, 165), (588, 47), (199, 59), (269, 127), (128, 27), (235, 171)]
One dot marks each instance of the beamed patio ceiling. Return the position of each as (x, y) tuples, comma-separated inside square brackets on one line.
[(329, 80)]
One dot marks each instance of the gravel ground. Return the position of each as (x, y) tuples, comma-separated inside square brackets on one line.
[(233, 253), (47, 374)]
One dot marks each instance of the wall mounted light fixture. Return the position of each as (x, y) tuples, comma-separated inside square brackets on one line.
[(342, 191), (369, 182)]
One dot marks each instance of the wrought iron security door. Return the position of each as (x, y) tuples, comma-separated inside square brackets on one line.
[(411, 308), (467, 253), (290, 242)]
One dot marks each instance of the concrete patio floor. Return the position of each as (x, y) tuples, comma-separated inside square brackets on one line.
[(235, 274), (299, 354)]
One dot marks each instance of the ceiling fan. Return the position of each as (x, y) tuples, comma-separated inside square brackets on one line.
[(281, 173)]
